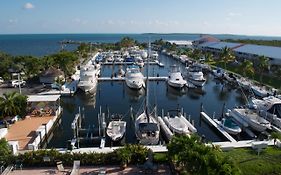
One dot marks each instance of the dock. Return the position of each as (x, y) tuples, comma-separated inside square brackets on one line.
[(127, 63), (165, 128), (219, 128), (123, 78)]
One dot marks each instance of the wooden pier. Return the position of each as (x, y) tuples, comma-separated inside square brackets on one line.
[(123, 78), (126, 63), (219, 128), (165, 128)]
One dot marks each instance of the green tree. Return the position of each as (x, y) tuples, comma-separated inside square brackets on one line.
[(226, 56), (275, 136), (247, 68), (12, 104), (127, 42), (262, 66), (209, 56), (4, 150), (194, 157), (29, 64)]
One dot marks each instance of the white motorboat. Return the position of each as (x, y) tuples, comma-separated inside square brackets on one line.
[(229, 125), (230, 77), (175, 78), (88, 77), (120, 73), (196, 76), (134, 78), (116, 130), (154, 55), (159, 64), (139, 61), (255, 121), (269, 108), (260, 91), (244, 83), (218, 72), (147, 128), (176, 125)]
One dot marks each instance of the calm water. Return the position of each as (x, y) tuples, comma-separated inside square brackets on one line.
[(118, 98), (43, 44)]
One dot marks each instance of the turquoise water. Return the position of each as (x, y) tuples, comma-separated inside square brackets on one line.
[(43, 44)]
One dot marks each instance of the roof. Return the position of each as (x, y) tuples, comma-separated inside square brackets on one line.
[(52, 72), (42, 98), (220, 45), (267, 51), (180, 42)]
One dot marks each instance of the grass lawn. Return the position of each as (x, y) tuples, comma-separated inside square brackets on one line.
[(160, 157), (267, 163)]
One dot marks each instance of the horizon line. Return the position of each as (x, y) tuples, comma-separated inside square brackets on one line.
[(141, 33)]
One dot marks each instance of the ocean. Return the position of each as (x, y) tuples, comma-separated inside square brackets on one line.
[(45, 44)]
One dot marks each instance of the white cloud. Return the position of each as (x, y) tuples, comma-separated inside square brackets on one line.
[(28, 6), (80, 21), (234, 14), (13, 21)]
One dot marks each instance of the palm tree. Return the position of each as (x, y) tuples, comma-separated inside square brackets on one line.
[(262, 66), (275, 136), (12, 104), (226, 56), (209, 56), (247, 68)]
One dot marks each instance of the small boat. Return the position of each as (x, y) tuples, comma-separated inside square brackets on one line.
[(178, 123), (195, 76), (218, 72), (175, 78), (244, 83), (159, 64), (120, 73), (134, 78), (260, 91), (230, 77), (229, 125), (255, 121), (154, 55), (139, 61), (116, 129)]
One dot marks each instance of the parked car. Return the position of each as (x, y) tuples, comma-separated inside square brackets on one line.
[(16, 83)]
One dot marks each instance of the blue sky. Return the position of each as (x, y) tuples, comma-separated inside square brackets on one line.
[(250, 17)]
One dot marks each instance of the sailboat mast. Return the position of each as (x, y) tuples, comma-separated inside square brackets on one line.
[(146, 83)]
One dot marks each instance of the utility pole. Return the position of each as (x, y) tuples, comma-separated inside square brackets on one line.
[(19, 82)]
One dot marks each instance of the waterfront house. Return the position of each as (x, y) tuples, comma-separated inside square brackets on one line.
[(51, 75)]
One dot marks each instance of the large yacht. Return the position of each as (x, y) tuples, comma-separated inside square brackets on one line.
[(88, 77), (196, 76), (134, 78), (175, 78)]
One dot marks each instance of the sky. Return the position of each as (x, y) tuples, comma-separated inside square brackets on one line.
[(248, 17)]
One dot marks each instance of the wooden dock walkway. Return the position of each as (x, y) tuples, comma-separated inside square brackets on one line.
[(123, 78), (126, 63), (219, 128)]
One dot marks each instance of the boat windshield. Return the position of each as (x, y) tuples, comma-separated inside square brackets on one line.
[(276, 109), (174, 69), (230, 123), (148, 127)]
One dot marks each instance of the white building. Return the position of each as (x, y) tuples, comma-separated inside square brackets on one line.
[(181, 43)]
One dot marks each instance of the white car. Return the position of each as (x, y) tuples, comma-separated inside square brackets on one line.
[(1, 80), (16, 83)]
